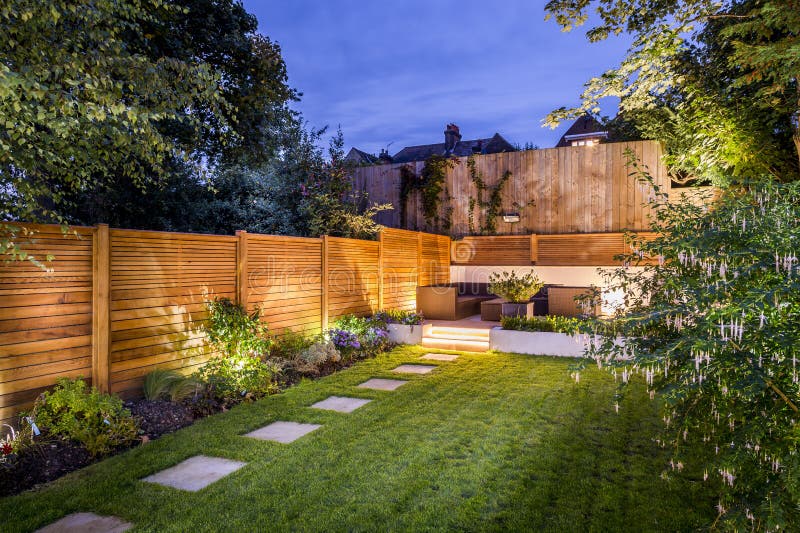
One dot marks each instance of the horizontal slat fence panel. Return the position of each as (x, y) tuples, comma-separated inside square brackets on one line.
[(578, 249), (434, 259), (284, 277), (145, 333), (45, 315), (587, 249), (500, 250), (353, 277), (555, 190), (400, 261)]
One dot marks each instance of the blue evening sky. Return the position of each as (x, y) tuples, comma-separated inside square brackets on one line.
[(391, 71)]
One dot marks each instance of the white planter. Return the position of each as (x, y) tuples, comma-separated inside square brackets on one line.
[(402, 334), (537, 342)]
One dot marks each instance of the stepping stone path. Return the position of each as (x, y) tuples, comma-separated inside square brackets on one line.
[(439, 357), (195, 473), (413, 369), (341, 404), (284, 432), (87, 523), (382, 384)]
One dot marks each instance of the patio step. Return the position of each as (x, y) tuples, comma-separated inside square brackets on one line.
[(441, 343), (452, 332)]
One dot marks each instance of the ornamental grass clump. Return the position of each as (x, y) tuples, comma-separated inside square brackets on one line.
[(513, 288), (712, 324)]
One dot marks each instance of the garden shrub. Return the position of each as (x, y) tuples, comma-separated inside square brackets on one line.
[(96, 420), (551, 323), (514, 288), (289, 344), (399, 316), (316, 355), (713, 324), (356, 336), (232, 331), (233, 379)]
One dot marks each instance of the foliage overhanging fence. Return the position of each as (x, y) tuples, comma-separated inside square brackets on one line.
[(119, 303)]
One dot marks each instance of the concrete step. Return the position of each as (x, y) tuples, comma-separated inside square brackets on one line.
[(457, 337), (440, 343), (459, 333)]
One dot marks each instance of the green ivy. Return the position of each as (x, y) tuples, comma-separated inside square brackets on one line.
[(431, 184), (491, 207)]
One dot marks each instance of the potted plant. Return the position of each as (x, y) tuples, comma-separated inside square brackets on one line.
[(516, 290)]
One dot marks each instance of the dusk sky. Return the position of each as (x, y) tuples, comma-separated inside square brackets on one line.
[(398, 71)]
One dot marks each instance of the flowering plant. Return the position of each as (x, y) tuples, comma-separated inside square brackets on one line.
[(398, 316), (711, 323), (344, 340)]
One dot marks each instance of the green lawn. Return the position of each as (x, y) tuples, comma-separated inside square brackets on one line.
[(488, 442)]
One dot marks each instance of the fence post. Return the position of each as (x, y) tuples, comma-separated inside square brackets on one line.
[(419, 259), (380, 270), (534, 248), (101, 303), (242, 282), (324, 284)]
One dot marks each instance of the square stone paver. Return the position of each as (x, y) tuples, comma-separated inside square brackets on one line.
[(284, 432), (413, 369), (195, 473), (382, 384), (341, 404), (440, 356), (87, 523)]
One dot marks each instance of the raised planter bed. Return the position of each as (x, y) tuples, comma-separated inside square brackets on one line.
[(537, 342), (403, 334)]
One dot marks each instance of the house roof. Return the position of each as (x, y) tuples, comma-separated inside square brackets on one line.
[(491, 145), (583, 127), (360, 157)]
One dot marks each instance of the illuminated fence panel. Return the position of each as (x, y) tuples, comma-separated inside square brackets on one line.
[(159, 283), (353, 277), (284, 276), (45, 316)]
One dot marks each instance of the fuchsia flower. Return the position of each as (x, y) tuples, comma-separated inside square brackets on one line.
[(6, 448)]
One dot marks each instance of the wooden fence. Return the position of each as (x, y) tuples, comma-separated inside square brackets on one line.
[(580, 189), (119, 303), (580, 249)]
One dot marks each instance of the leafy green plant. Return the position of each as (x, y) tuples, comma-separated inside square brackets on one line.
[(399, 316), (73, 411), (490, 209), (163, 384), (713, 327), (231, 380), (235, 333), (356, 336), (551, 323), (514, 288), (289, 344), (432, 187), (310, 359)]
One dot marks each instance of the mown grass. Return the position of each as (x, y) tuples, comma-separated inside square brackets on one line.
[(488, 442)]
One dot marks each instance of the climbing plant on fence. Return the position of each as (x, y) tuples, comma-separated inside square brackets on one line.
[(713, 327), (432, 187), (489, 208)]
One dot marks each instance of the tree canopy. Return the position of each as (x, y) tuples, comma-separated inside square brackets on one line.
[(717, 81)]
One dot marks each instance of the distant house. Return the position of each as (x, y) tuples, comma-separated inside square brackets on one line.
[(585, 131), (452, 146), (360, 158)]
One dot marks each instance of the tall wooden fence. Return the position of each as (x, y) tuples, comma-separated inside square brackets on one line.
[(119, 303), (580, 189)]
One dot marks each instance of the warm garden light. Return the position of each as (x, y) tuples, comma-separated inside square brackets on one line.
[(511, 217)]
